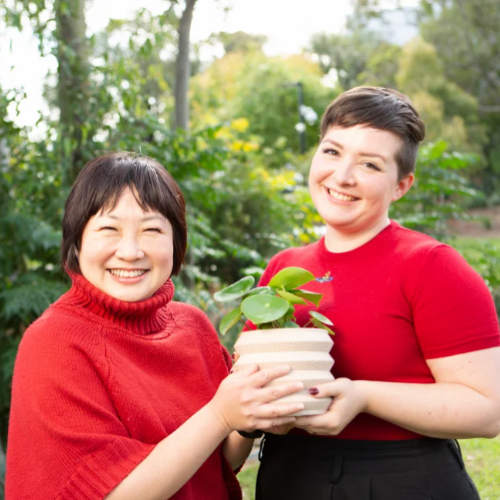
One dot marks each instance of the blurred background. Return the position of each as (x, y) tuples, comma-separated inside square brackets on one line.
[(228, 96)]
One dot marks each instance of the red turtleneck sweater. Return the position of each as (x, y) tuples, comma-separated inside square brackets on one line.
[(98, 383)]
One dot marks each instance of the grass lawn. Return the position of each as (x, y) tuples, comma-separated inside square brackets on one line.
[(482, 457)]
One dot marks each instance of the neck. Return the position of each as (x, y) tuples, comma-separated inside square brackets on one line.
[(143, 317), (340, 240)]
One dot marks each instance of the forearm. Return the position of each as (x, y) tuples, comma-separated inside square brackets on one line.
[(236, 449), (441, 410), (174, 460)]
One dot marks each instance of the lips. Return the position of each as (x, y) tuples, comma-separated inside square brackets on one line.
[(340, 196), (124, 273)]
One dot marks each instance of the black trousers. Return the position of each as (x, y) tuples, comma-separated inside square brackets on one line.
[(313, 468)]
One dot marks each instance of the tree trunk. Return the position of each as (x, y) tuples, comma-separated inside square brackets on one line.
[(73, 69), (4, 153), (183, 68)]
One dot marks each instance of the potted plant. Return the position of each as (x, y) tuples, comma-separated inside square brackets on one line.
[(274, 337)]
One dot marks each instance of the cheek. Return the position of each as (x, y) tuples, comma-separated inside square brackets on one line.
[(315, 175), (94, 250), (161, 251)]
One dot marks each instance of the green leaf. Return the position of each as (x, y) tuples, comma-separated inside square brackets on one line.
[(320, 317), (264, 308), (261, 290), (322, 326), (292, 298), (229, 320), (236, 290), (290, 278), (291, 324), (315, 298)]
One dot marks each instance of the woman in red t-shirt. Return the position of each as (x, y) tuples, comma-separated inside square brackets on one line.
[(417, 356)]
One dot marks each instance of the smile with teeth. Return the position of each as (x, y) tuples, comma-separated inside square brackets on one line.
[(339, 196), (122, 273)]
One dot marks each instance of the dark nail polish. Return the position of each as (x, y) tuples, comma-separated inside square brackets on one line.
[(314, 391)]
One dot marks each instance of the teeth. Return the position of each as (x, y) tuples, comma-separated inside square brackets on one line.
[(121, 273), (339, 196)]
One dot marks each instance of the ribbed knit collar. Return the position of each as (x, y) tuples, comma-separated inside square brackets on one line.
[(143, 317)]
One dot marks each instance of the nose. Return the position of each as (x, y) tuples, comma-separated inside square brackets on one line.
[(129, 249), (344, 172)]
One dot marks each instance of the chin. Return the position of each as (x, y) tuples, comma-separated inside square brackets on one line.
[(128, 295)]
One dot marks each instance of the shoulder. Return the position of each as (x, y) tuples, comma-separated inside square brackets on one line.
[(417, 248), (195, 327), (60, 340), (412, 243), (187, 312), (291, 256), (193, 320)]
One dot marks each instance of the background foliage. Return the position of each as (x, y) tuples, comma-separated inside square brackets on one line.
[(239, 164)]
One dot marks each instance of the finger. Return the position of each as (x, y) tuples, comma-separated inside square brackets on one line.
[(312, 422), (247, 371), (276, 422), (264, 376), (269, 394), (278, 410), (330, 389)]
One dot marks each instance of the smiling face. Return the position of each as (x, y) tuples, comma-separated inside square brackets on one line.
[(354, 178), (127, 252)]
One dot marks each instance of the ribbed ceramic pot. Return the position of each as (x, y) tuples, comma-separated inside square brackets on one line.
[(305, 350)]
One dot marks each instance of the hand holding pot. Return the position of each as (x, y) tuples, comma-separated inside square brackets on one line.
[(243, 403), (348, 402)]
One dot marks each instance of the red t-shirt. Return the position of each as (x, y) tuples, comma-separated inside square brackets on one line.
[(396, 301)]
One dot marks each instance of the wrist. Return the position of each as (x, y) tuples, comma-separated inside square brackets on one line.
[(219, 419), (363, 392), (251, 435)]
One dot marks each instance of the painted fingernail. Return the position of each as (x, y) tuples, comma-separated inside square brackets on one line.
[(313, 391)]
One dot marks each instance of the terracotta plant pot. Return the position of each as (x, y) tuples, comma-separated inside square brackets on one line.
[(305, 350)]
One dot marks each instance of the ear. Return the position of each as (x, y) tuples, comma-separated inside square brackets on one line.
[(403, 187)]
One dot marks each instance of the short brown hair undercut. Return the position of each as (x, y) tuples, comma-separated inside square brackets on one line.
[(383, 109), (99, 186)]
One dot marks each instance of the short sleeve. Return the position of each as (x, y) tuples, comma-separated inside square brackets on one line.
[(453, 311), (66, 440)]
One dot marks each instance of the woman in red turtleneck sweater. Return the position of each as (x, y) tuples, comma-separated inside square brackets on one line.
[(118, 391)]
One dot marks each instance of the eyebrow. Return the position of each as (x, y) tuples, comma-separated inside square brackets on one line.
[(144, 219), (362, 153)]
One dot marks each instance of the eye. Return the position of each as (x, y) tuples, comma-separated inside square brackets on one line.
[(372, 166), (153, 229), (331, 151), (108, 228)]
